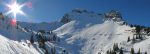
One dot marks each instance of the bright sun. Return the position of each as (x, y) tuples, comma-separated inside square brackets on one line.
[(15, 9)]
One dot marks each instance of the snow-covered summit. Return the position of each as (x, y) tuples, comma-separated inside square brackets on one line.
[(113, 15), (90, 33), (83, 16)]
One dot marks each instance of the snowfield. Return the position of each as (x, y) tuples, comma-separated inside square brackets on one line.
[(85, 33), (14, 47), (99, 38), (96, 35)]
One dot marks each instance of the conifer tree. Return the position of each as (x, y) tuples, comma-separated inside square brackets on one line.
[(31, 39), (115, 47), (132, 51), (46, 51), (121, 51), (108, 52), (99, 53), (137, 37), (54, 37), (133, 40), (128, 39), (139, 51), (114, 52), (131, 25), (145, 53), (140, 37), (53, 51)]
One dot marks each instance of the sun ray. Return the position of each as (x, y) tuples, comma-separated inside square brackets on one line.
[(15, 9)]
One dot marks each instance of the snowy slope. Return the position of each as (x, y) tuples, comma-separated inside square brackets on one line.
[(11, 32), (144, 45), (41, 26), (99, 38), (14, 47), (90, 35), (15, 39), (84, 33)]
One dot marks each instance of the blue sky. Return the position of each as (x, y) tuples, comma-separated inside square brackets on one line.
[(133, 11)]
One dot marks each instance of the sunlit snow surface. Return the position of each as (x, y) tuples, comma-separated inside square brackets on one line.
[(87, 33)]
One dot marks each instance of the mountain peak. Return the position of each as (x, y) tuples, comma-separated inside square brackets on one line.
[(82, 16), (91, 17), (78, 10), (113, 15)]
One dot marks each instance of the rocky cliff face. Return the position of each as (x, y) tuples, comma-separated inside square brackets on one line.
[(113, 15)]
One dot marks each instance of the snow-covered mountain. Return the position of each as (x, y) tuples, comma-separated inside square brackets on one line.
[(90, 33), (78, 32), (41, 26), (14, 40)]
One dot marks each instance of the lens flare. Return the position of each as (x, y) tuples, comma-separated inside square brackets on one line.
[(15, 9), (13, 22), (29, 4)]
